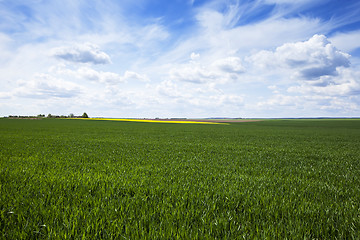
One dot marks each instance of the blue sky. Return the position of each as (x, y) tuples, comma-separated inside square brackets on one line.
[(180, 58)]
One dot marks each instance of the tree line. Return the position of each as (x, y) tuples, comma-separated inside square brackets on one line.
[(71, 115)]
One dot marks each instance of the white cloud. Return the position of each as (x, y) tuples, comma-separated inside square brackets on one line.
[(170, 89), (194, 56), (346, 83), (199, 100), (5, 95), (309, 60), (307, 106), (135, 76), (274, 89), (218, 72), (310, 78), (192, 73), (91, 74), (99, 76), (84, 53), (279, 100), (230, 65), (245, 38), (346, 41), (44, 86), (326, 96), (153, 32)]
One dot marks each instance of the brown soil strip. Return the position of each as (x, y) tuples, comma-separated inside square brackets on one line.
[(209, 120)]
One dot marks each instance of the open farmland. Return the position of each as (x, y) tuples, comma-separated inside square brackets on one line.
[(273, 179)]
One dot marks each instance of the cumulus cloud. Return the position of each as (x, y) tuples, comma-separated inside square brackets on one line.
[(309, 60), (135, 76), (230, 65), (201, 100), (91, 74), (347, 83), (309, 105), (194, 56), (216, 101), (219, 71), (98, 76), (326, 96), (5, 95), (43, 86), (192, 73), (280, 100), (170, 89), (85, 53)]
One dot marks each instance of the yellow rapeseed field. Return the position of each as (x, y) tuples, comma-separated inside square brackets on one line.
[(149, 120)]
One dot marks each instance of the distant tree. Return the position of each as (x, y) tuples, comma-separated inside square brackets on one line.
[(49, 115), (71, 115), (85, 115)]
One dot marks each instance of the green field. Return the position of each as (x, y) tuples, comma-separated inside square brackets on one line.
[(274, 179)]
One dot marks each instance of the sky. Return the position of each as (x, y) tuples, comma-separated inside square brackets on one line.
[(180, 58)]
